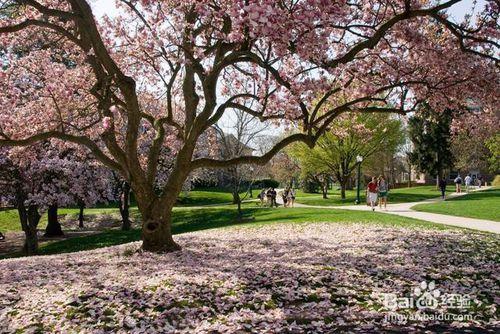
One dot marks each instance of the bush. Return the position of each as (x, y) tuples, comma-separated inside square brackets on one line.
[(496, 181), (266, 183), (310, 187)]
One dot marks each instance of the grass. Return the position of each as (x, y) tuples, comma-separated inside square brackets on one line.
[(482, 205), (209, 196), (194, 219), (190, 220), (401, 195), (9, 219)]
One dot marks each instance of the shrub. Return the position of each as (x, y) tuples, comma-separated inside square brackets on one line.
[(496, 181), (266, 183)]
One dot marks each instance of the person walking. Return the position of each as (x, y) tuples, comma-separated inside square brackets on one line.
[(269, 197), (383, 190), (291, 198), (284, 196), (458, 184), (442, 187), (468, 182), (273, 198), (262, 197), (372, 192)]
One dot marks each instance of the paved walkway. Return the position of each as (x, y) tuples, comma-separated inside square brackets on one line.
[(404, 209)]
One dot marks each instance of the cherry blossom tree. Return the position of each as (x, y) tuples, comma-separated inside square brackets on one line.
[(157, 76)]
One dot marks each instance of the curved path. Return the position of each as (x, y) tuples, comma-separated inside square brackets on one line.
[(404, 209)]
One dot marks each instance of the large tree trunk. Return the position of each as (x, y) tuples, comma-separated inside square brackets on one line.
[(124, 206), (156, 211), (81, 207), (53, 228), (29, 222), (157, 227)]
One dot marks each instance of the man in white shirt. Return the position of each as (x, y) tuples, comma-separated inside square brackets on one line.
[(468, 182)]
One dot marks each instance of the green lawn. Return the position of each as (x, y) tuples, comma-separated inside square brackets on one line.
[(209, 196), (9, 219), (189, 220), (401, 195), (483, 205)]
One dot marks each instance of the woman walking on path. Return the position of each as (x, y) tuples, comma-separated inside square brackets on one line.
[(383, 191), (372, 192), (291, 197)]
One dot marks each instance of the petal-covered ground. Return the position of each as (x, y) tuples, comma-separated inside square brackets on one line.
[(305, 278)]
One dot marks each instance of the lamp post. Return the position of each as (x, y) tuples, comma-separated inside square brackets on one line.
[(359, 160)]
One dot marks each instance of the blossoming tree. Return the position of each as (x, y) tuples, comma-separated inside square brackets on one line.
[(42, 177), (162, 70)]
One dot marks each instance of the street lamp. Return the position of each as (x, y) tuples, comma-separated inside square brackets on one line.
[(359, 160)]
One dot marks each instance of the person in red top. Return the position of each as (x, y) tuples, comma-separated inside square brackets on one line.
[(372, 192)]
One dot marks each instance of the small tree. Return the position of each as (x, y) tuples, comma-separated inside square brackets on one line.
[(351, 135), (430, 133), (234, 140), (312, 166), (493, 145)]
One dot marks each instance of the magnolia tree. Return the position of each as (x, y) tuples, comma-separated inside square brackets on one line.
[(90, 183), (157, 75), (45, 176)]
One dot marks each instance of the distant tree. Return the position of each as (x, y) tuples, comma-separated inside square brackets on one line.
[(284, 168), (312, 167), (405, 151), (430, 133), (469, 152), (235, 138), (475, 139), (493, 145), (349, 136)]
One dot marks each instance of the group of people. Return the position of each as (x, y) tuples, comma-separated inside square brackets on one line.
[(469, 183), (377, 190), (269, 197), (468, 180)]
